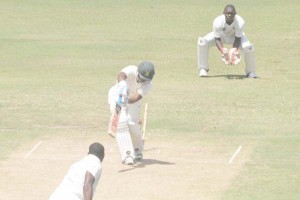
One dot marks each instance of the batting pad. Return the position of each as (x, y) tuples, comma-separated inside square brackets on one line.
[(123, 137), (249, 59), (203, 49), (136, 135)]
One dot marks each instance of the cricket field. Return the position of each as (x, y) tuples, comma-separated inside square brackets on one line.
[(224, 137)]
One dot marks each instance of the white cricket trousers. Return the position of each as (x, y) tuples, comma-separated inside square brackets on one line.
[(210, 38), (209, 41)]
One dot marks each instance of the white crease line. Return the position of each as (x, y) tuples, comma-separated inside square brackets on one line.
[(235, 154), (36, 146)]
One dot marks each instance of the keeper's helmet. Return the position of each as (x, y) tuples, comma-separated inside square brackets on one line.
[(146, 71)]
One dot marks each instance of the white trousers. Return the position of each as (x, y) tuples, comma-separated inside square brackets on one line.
[(209, 41), (210, 38)]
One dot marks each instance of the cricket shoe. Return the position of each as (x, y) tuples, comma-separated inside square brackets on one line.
[(138, 155), (203, 73), (251, 75), (128, 161)]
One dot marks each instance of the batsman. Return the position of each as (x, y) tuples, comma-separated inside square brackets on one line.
[(124, 98), (227, 29)]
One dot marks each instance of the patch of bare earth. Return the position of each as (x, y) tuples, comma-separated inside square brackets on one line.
[(169, 170)]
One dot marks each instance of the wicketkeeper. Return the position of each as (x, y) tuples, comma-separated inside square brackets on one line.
[(227, 29), (133, 83)]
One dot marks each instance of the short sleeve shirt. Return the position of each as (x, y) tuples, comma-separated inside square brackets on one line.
[(221, 28), (73, 182), (131, 72)]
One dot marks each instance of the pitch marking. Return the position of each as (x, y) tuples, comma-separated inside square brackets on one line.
[(235, 154), (36, 146)]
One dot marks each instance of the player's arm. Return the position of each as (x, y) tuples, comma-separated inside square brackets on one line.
[(136, 97), (237, 42), (218, 29), (122, 76), (219, 44), (221, 48), (88, 186)]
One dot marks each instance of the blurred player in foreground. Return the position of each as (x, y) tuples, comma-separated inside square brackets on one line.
[(82, 178), (227, 29), (133, 83)]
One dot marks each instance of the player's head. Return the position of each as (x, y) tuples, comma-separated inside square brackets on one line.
[(97, 149), (229, 12), (145, 72)]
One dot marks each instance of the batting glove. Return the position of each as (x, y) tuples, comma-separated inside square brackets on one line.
[(122, 88), (122, 92)]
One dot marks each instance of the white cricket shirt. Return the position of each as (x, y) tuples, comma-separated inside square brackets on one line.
[(131, 72), (72, 184), (221, 28)]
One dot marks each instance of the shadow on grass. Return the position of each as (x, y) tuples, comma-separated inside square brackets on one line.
[(229, 76), (145, 162)]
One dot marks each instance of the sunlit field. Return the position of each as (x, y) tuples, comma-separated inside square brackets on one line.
[(59, 58)]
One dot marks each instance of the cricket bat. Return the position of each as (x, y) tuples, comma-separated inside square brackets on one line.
[(114, 121)]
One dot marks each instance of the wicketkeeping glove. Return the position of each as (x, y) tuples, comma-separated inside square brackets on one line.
[(235, 56), (225, 56)]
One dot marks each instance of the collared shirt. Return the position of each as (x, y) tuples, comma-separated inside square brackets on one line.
[(221, 28)]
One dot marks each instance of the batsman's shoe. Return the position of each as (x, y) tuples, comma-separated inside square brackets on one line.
[(251, 75), (128, 161), (138, 155), (203, 73)]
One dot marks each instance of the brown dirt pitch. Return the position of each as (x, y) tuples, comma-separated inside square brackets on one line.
[(171, 169)]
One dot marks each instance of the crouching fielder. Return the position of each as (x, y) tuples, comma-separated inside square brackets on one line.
[(136, 82), (227, 29)]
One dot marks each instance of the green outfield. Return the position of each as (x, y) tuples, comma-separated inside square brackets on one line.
[(59, 58)]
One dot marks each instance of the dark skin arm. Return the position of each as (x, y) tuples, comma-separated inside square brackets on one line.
[(88, 186), (219, 44), (236, 43), (136, 97)]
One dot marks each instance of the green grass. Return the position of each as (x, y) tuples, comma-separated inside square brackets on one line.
[(273, 172), (59, 58)]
